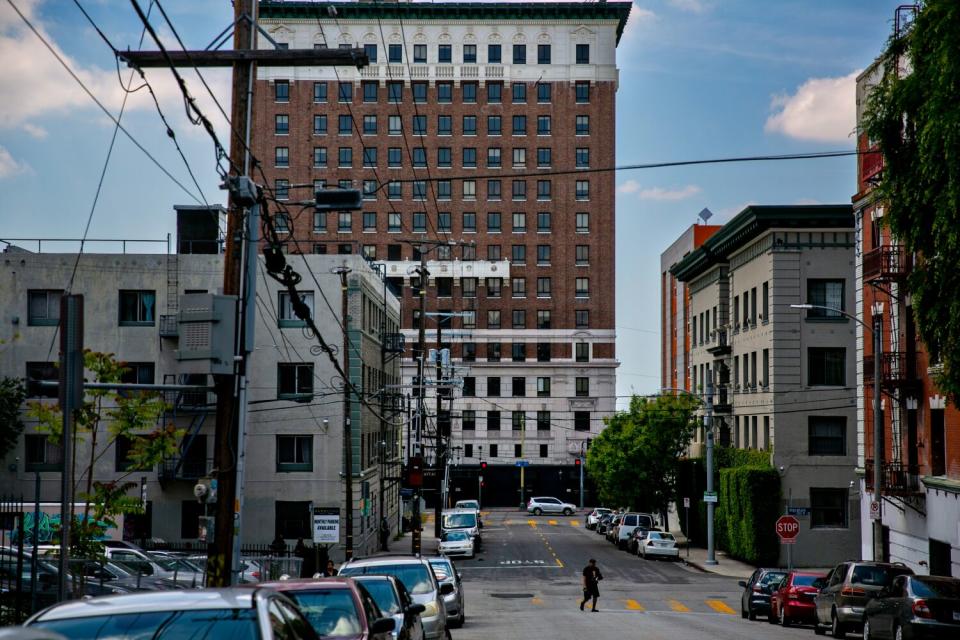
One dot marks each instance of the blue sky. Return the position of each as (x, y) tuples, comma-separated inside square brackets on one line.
[(698, 79)]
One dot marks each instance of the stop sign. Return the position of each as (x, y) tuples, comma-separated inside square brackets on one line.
[(788, 527)]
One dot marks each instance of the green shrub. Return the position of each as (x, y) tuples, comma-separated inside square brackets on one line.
[(749, 505)]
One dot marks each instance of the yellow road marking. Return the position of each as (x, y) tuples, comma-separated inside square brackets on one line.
[(508, 522), (532, 523), (552, 522), (676, 605), (633, 605), (559, 564), (574, 523), (720, 606), (536, 600)]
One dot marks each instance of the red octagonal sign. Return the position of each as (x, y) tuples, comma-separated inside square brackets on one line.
[(788, 527)]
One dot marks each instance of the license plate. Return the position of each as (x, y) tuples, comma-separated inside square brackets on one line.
[(956, 616)]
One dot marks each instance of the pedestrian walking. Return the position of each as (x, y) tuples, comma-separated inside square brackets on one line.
[(330, 571), (591, 588), (384, 534)]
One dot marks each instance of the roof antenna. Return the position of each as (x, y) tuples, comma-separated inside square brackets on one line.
[(705, 215)]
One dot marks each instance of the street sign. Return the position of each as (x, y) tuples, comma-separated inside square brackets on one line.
[(788, 528), (686, 502), (326, 525), (522, 463), (875, 510), (801, 512), (710, 496)]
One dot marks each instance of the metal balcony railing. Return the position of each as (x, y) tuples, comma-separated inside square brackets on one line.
[(179, 468), (897, 478), (897, 369), (889, 262)]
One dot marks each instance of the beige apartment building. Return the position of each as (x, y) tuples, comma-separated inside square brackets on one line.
[(784, 379)]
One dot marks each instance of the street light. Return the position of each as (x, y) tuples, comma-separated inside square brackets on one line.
[(877, 422), (708, 427)]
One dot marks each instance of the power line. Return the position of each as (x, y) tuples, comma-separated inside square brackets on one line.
[(96, 101)]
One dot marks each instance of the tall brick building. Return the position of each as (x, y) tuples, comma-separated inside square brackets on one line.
[(477, 123)]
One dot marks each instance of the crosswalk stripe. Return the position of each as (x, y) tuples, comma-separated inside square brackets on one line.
[(552, 522), (676, 605), (532, 523), (720, 606), (574, 523), (633, 605), (536, 600)]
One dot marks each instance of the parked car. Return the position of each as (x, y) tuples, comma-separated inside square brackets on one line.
[(628, 523), (467, 504), (541, 505), (447, 574), (636, 539), (659, 544), (793, 600), (755, 599), (611, 530), (467, 520), (915, 607), (594, 517), (841, 603), (603, 523), (418, 577), (456, 543), (238, 614), (180, 570), (337, 607), (394, 600)]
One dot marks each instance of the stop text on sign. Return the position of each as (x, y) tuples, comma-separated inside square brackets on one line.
[(788, 527)]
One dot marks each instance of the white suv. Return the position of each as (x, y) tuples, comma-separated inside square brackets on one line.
[(538, 506), (628, 523)]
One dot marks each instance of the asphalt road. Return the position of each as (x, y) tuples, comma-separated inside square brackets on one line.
[(526, 584)]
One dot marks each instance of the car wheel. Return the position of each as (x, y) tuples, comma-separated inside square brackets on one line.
[(867, 632), (462, 620), (446, 634), (817, 629), (771, 617), (837, 629), (538, 511), (751, 614), (784, 620), (743, 612), (568, 512), (897, 632)]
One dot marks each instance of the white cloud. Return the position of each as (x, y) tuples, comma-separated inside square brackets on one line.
[(9, 167), (822, 110), (35, 131), (661, 193), (630, 186), (690, 6)]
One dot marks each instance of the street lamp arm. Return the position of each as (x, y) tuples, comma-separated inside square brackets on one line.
[(807, 305)]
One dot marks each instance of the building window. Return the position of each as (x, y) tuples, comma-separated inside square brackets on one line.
[(395, 192), (493, 424), (419, 54), (395, 93), (583, 158), (582, 352), (370, 158), (467, 449), (394, 157), (493, 450), (319, 157), (519, 54), (319, 125), (43, 307), (582, 89), (40, 454), (320, 90), (543, 387), (493, 222), (345, 157), (518, 287), (468, 420), (470, 129), (445, 53), (544, 157), (370, 91), (444, 221), (519, 190), (444, 92), (519, 125), (345, 125), (493, 190), (420, 125), (444, 157), (520, 223), (493, 351), (395, 53), (825, 293), (583, 125), (582, 255), (493, 317), (543, 287), (544, 352), (543, 424), (369, 251), (543, 125), (582, 387), (493, 156), (444, 126), (583, 287), (137, 308), (281, 157), (345, 92), (543, 54), (519, 92), (469, 386), (544, 93), (294, 453), (827, 435), (518, 253), (582, 318), (543, 217), (41, 371), (543, 255), (469, 53), (371, 51), (494, 92), (519, 319), (518, 352), (493, 53), (828, 508), (281, 124), (444, 190), (369, 125), (287, 316), (419, 92), (826, 366), (581, 421), (494, 128), (469, 90), (583, 191), (294, 381), (469, 225), (543, 319), (293, 519), (583, 54), (419, 189), (518, 420)]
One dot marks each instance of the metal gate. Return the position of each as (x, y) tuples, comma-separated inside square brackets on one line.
[(14, 565)]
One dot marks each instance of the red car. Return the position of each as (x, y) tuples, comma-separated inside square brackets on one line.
[(337, 608), (792, 601)]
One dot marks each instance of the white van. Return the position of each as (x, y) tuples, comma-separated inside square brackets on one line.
[(464, 520)]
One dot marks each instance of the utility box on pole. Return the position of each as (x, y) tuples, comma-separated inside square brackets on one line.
[(208, 329)]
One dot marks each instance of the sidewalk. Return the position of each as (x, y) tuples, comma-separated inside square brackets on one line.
[(726, 566)]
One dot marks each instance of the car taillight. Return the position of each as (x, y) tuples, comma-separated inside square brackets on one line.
[(921, 609), (792, 593), (852, 591)]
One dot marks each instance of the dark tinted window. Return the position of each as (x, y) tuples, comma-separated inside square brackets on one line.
[(218, 624), (384, 595), (927, 587), (874, 576), (803, 581), (331, 612)]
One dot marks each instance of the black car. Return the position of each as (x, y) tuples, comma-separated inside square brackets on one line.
[(755, 599), (604, 523), (915, 607)]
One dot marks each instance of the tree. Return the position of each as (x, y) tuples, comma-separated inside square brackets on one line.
[(12, 395), (634, 460), (913, 115), (105, 418)]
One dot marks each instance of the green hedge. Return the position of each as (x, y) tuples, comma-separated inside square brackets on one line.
[(749, 505), (691, 483)]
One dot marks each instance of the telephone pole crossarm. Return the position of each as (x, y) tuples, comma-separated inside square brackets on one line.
[(261, 57)]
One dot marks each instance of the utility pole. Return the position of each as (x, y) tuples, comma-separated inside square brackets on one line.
[(71, 400), (877, 442), (708, 426), (421, 390), (231, 389), (440, 453), (347, 431), (523, 451)]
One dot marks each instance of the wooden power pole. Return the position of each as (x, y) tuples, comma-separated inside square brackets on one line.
[(243, 59)]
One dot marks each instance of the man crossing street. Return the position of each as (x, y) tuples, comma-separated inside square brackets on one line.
[(591, 588)]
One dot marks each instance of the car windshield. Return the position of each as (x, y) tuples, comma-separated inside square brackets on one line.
[(936, 588), (175, 564), (415, 577), (874, 576), (441, 569), (212, 624), (468, 504), (459, 520), (771, 577), (665, 536), (801, 580), (383, 594), (458, 536), (331, 612)]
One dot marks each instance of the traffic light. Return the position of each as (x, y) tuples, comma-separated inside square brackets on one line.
[(576, 462), (483, 465)]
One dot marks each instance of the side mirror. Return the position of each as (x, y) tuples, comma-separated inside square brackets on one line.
[(415, 609), (383, 625), (446, 589), (742, 584)]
